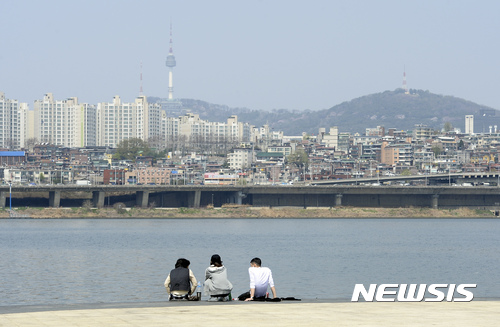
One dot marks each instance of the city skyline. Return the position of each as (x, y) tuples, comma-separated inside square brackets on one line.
[(289, 55)]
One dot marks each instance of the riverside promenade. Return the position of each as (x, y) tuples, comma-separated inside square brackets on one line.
[(305, 313)]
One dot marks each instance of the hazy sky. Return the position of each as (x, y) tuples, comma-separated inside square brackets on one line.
[(255, 54)]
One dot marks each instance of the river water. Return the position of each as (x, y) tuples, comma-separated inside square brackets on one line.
[(69, 261)]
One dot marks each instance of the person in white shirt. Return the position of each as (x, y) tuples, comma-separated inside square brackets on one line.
[(260, 279)]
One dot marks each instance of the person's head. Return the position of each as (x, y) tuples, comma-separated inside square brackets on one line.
[(215, 260), (184, 263), (255, 262)]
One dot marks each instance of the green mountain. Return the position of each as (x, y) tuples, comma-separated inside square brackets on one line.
[(391, 109)]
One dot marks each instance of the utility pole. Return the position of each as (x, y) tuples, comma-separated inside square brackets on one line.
[(10, 196)]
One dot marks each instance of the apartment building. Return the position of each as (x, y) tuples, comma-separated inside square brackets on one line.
[(264, 137), (192, 128), (240, 158), (64, 122), (396, 154), (379, 131), (422, 132), (344, 142), (331, 139), (469, 124), (13, 123), (117, 121)]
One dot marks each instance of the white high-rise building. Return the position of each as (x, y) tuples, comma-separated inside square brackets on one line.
[(13, 123), (191, 125), (332, 138), (119, 121), (202, 133), (469, 124), (64, 122), (88, 121)]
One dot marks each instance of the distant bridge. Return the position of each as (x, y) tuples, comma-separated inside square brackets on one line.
[(481, 197)]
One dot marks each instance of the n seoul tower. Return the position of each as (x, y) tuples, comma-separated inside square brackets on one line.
[(170, 63)]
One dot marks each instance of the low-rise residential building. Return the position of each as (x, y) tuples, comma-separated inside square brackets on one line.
[(285, 149), (396, 154), (37, 176), (153, 175), (220, 179), (12, 158), (422, 132), (241, 158), (272, 157), (114, 176)]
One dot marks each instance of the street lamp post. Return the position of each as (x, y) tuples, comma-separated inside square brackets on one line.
[(449, 175), (10, 196), (357, 172), (425, 170), (378, 174)]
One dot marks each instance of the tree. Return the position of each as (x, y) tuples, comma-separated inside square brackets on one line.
[(447, 127), (131, 148), (299, 158), (30, 143), (157, 142), (87, 205), (10, 144), (437, 150), (406, 172)]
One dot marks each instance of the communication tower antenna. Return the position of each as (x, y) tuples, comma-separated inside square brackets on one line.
[(170, 63), (140, 90), (405, 87)]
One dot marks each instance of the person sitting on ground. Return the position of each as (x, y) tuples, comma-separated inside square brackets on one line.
[(216, 283), (260, 279), (181, 282)]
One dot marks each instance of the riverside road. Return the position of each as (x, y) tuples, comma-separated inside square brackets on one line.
[(480, 197)]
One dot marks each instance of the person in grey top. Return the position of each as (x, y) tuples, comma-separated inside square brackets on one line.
[(216, 282)]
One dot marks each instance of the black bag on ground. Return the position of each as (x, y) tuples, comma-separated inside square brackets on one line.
[(290, 298), (274, 299), (244, 296)]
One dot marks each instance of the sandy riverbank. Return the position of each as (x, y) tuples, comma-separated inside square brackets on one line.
[(476, 313), (249, 212)]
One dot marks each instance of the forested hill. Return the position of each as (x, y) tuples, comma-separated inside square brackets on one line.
[(391, 109)]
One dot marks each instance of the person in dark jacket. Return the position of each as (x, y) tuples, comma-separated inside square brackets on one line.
[(181, 282)]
